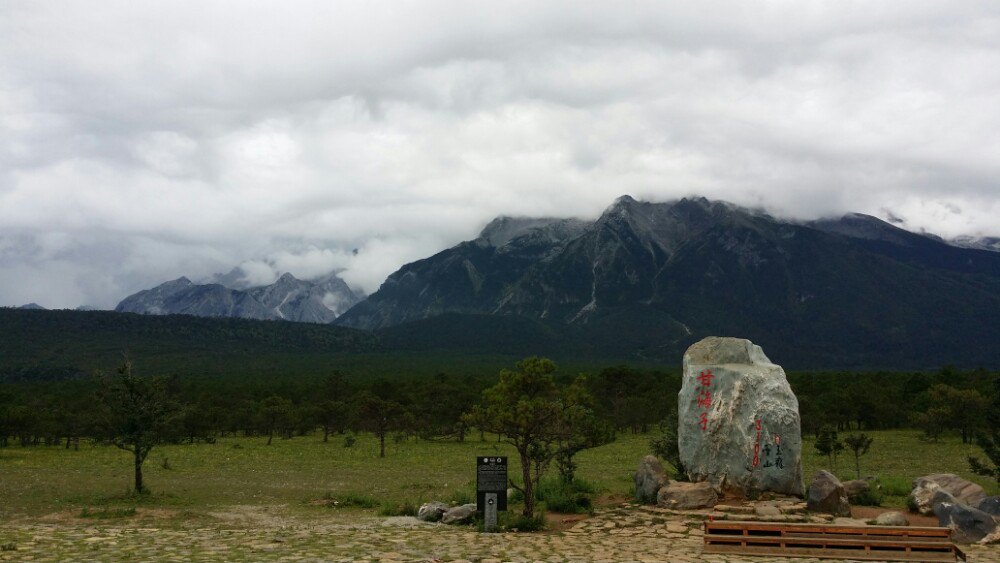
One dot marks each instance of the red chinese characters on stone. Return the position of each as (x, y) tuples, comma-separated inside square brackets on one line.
[(705, 397), (756, 447)]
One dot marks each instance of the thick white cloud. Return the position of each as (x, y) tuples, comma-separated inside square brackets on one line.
[(144, 141)]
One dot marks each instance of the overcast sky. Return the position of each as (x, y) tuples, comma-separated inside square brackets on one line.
[(142, 141)]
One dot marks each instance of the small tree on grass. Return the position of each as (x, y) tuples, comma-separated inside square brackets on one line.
[(581, 428), (275, 414), (525, 408), (989, 440), (135, 414), (859, 444), (380, 416), (828, 445)]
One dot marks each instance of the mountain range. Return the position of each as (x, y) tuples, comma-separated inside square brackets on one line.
[(847, 291), (645, 280), (288, 298)]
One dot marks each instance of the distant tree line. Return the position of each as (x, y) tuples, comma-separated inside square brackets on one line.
[(432, 408), (546, 415)]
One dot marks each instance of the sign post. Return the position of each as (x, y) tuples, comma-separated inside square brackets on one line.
[(490, 515), (491, 488)]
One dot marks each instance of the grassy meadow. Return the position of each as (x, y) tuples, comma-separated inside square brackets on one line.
[(305, 476)]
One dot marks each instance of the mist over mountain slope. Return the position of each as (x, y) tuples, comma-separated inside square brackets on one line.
[(288, 298)]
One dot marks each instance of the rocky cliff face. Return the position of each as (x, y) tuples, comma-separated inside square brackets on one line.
[(838, 292), (287, 298)]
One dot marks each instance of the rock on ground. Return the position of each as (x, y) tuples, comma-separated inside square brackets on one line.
[(855, 487), (968, 525), (990, 505), (826, 494), (991, 538), (685, 496), (649, 477), (432, 511), (965, 492), (459, 515), (892, 518), (729, 387), (767, 510)]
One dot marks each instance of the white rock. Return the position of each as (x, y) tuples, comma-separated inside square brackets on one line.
[(743, 387)]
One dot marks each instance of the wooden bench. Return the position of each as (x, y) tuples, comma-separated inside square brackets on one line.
[(876, 543)]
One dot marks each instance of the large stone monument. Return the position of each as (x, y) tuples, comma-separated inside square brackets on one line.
[(738, 424)]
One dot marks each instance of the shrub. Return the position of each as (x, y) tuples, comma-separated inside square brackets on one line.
[(893, 486), (567, 498), (350, 439), (406, 508), (869, 497), (509, 522), (10, 546), (465, 497), (349, 500)]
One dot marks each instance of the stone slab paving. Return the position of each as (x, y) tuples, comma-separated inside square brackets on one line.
[(627, 534)]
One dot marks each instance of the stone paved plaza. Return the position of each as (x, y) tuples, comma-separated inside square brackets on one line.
[(612, 535)]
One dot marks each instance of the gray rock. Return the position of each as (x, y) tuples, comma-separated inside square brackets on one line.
[(855, 487), (288, 298), (990, 505), (826, 494), (685, 496), (941, 496), (462, 514), (964, 491), (892, 518), (431, 511), (967, 524), (649, 477), (767, 510), (921, 495), (991, 538), (844, 521), (743, 387)]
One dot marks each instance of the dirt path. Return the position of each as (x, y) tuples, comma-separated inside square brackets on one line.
[(616, 535)]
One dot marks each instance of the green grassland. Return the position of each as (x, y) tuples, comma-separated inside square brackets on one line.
[(306, 476)]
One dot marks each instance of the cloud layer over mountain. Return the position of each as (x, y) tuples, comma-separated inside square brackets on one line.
[(141, 142)]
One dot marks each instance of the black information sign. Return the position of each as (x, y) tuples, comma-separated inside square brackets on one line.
[(491, 477)]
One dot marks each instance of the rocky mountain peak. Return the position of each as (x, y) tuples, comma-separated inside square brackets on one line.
[(288, 298)]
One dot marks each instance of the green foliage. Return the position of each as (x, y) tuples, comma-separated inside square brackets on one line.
[(580, 428), (963, 410), (350, 439), (895, 486), (524, 407), (508, 522), (405, 508), (349, 500), (134, 414), (665, 446), (858, 444), (989, 439), (9, 546), (468, 497), (575, 497), (107, 513), (871, 497), (828, 445)]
